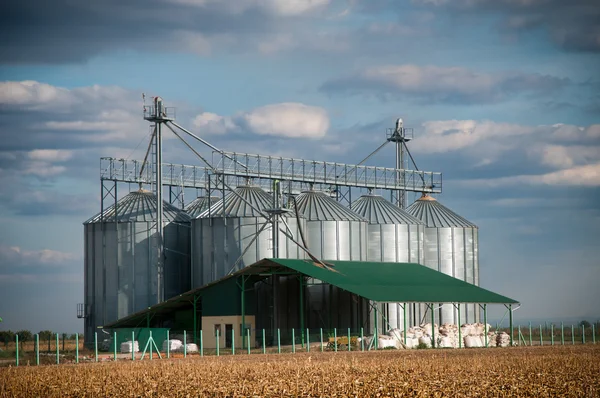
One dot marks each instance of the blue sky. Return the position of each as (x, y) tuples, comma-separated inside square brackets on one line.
[(503, 97)]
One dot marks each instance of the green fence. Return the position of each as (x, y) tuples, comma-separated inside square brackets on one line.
[(151, 341)]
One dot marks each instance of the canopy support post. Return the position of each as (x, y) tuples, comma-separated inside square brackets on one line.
[(301, 279), (510, 321)]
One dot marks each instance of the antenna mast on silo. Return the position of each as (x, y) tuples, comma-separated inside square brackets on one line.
[(158, 114)]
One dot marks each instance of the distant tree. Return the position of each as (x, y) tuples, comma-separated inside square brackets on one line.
[(585, 323), (24, 335), (72, 336), (7, 336), (45, 335)]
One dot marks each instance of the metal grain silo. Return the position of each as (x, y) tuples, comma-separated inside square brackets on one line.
[(231, 227), (451, 247), (199, 205), (121, 275), (393, 235), (333, 232)]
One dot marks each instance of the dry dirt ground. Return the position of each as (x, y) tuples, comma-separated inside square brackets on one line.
[(496, 372)]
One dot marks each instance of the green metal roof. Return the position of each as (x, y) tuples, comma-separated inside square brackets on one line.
[(395, 282)]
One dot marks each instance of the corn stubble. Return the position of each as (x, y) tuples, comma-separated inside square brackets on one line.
[(534, 372)]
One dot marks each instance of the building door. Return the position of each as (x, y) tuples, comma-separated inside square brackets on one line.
[(228, 335)]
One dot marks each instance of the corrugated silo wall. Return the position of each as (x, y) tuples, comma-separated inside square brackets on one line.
[(218, 242), (125, 282), (328, 306), (177, 259), (397, 243), (456, 251)]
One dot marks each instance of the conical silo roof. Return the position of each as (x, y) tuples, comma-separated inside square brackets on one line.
[(247, 201), (317, 206), (200, 204), (436, 215), (376, 210), (139, 206)]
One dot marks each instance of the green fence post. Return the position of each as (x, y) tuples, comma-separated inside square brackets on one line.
[(552, 334), (217, 342), (362, 339), (432, 327), (562, 333), (150, 344), (133, 346), (583, 334), (335, 338), (184, 344), (530, 338), (511, 324), (37, 349), (459, 329), (57, 348), (233, 341), (17, 349), (519, 338), (115, 345), (201, 344), (278, 341), (248, 339), (573, 334), (264, 342), (96, 345), (168, 346), (293, 341), (593, 333), (307, 341), (321, 332), (349, 339), (76, 347), (485, 328), (541, 336)]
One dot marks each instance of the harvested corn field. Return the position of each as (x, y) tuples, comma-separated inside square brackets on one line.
[(519, 371)]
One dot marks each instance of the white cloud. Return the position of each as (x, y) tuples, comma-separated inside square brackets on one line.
[(450, 135), (30, 93), (213, 124), (444, 84), (282, 8), (561, 157), (582, 176), (17, 257), (50, 155), (287, 119)]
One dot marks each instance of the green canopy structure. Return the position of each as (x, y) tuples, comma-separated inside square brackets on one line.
[(374, 281)]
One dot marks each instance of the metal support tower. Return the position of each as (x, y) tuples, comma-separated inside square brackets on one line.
[(400, 138), (157, 114)]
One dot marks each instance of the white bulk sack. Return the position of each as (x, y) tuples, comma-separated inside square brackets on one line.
[(191, 347), (425, 340), (174, 345), (472, 341), (445, 342), (127, 346)]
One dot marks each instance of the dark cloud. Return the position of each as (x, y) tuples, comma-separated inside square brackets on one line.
[(570, 25), (60, 31)]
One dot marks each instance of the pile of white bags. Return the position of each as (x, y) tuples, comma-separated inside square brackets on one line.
[(446, 336), (503, 339), (127, 346)]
